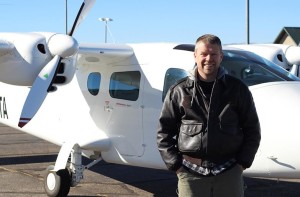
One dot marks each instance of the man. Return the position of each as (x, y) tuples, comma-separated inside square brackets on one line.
[(209, 130)]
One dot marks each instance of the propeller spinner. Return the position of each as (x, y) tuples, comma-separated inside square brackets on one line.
[(60, 46)]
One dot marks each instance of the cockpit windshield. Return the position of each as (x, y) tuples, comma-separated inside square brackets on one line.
[(253, 69)]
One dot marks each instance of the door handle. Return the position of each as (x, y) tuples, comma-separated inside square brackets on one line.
[(108, 108)]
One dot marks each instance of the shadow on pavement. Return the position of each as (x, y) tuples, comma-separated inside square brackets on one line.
[(27, 159)]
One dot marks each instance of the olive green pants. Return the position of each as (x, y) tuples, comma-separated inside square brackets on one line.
[(229, 183)]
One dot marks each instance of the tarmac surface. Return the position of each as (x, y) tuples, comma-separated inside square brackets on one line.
[(24, 158)]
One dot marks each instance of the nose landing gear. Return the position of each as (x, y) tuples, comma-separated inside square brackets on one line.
[(65, 174)]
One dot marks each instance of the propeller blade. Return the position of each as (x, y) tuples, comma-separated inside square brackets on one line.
[(39, 91), (43, 82), (85, 8)]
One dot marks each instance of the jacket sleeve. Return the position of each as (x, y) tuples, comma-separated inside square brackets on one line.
[(250, 126), (168, 130)]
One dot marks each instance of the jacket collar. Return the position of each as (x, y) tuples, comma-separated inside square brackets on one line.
[(193, 76)]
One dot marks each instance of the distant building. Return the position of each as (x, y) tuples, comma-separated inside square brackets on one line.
[(289, 36)]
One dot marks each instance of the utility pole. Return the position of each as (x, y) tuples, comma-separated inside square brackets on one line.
[(247, 22), (66, 16)]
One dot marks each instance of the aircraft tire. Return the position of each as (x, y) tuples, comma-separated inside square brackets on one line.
[(57, 184)]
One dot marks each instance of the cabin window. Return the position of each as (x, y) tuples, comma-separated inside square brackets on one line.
[(171, 77), (125, 85), (93, 83)]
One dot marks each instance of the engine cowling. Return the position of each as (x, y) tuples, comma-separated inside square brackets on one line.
[(24, 55)]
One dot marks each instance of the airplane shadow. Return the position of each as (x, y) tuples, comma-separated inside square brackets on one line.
[(27, 159), (160, 183)]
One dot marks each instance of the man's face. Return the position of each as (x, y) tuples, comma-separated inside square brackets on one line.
[(208, 58)]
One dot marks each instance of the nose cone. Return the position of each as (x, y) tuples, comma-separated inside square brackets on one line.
[(62, 45), (292, 55)]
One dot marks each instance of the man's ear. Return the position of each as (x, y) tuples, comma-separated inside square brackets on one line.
[(222, 55)]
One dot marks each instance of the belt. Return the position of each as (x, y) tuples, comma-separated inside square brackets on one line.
[(199, 162)]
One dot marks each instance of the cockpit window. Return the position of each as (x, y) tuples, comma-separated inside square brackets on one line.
[(93, 83), (252, 69), (250, 73), (171, 77)]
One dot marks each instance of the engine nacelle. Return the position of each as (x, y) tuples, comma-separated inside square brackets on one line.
[(24, 55)]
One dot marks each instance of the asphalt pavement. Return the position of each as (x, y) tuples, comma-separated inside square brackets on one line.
[(24, 158)]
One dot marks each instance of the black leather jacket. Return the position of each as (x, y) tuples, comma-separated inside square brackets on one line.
[(228, 129)]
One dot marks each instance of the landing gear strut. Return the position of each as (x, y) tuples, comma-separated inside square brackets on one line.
[(59, 178)]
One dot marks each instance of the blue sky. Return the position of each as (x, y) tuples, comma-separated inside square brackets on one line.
[(134, 21)]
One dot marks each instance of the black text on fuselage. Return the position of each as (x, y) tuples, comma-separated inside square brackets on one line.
[(3, 109)]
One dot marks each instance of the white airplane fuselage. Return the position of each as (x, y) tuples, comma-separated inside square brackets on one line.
[(124, 131)]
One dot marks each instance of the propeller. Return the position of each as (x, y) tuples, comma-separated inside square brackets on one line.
[(60, 46)]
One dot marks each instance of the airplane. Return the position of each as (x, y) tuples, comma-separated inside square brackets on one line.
[(103, 101)]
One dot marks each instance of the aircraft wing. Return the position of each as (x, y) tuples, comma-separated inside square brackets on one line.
[(108, 53)]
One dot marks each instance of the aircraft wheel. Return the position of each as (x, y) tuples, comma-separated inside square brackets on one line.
[(57, 184)]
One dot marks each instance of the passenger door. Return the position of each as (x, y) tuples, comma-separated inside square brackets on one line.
[(124, 109)]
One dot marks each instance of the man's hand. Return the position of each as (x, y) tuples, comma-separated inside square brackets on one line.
[(179, 170)]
